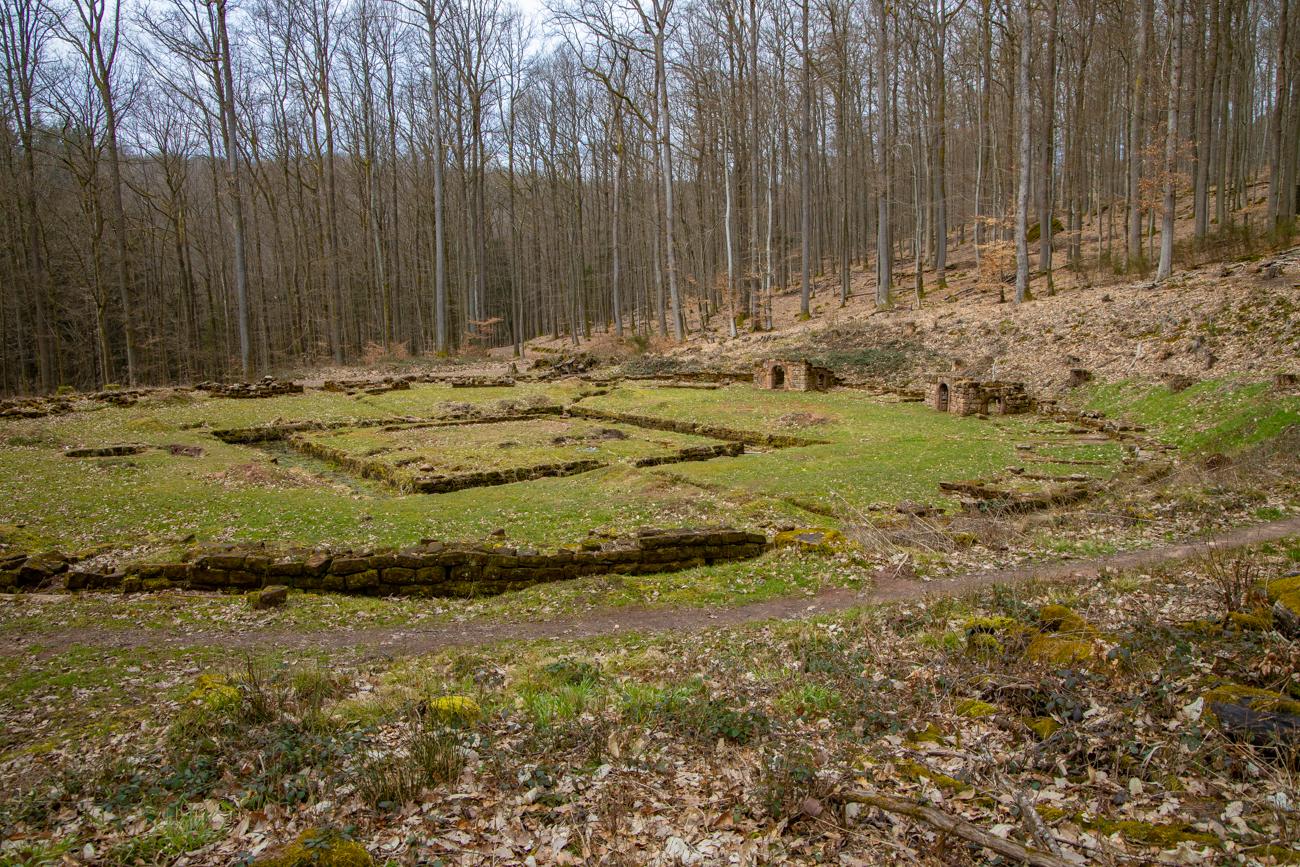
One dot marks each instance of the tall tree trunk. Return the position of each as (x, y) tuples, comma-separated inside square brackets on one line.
[(1047, 192), (1171, 142), (884, 221), (1205, 131), (236, 198), (1277, 121), (432, 15), (1135, 137), (805, 171), (941, 153), (666, 145), (1022, 195), (755, 285)]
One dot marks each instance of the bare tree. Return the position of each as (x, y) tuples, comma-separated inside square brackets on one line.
[(1025, 35), (94, 30), (1171, 141)]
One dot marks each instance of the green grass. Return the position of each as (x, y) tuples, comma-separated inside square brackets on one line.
[(150, 503), (1215, 415), (467, 448)]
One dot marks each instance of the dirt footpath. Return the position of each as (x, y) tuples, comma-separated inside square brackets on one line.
[(394, 641)]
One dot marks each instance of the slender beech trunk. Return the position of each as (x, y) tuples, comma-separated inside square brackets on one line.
[(1022, 195), (755, 285), (1047, 192), (1278, 120), (439, 203), (884, 226), (805, 170), (1135, 137), (231, 129), (1171, 142), (1205, 131)]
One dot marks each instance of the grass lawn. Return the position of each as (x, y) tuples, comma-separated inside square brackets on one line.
[(1215, 415), (879, 451)]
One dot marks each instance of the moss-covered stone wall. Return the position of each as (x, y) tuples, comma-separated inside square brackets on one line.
[(431, 568)]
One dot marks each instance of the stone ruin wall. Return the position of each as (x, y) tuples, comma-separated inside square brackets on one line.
[(429, 569), (969, 397), (799, 376)]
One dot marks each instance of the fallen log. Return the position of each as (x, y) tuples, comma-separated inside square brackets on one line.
[(953, 825)]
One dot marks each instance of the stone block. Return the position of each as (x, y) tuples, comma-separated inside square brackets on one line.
[(229, 562), (285, 569), (430, 575), (383, 561), (330, 581), (349, 565), (317, 564), (397, 575), (465, 573), (662, 555), (176, 571), (361, 580), (211, 577), (550, 574), (269, 597), (257, 564), (244, 579), (409, 558), (416, 590)]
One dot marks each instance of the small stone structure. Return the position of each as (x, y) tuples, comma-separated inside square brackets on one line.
[(969, 397), (785, 375), (267, 386)]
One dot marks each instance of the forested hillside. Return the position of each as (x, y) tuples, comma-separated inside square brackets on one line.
[(196, 189)]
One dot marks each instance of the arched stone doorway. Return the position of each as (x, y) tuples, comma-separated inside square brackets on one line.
[(778, 377), (942, 403)]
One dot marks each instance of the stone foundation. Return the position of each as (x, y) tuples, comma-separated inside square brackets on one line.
[(268, 386), (717, 432), (429, 569)]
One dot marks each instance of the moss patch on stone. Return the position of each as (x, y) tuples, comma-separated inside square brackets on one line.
[(975, 709), (1044, 727), (1250, 622), (454, 708), (811, 539), (1163, 836), (320, 848)]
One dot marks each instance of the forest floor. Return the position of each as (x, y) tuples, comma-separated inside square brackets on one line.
[(1018, 683)]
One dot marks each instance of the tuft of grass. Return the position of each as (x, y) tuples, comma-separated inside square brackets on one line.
[(166, 840), (423, 757)]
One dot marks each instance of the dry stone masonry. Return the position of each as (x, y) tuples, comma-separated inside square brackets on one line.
[(969, 397), (717, 432), (431, 568), (267, 386), (785, 375)]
